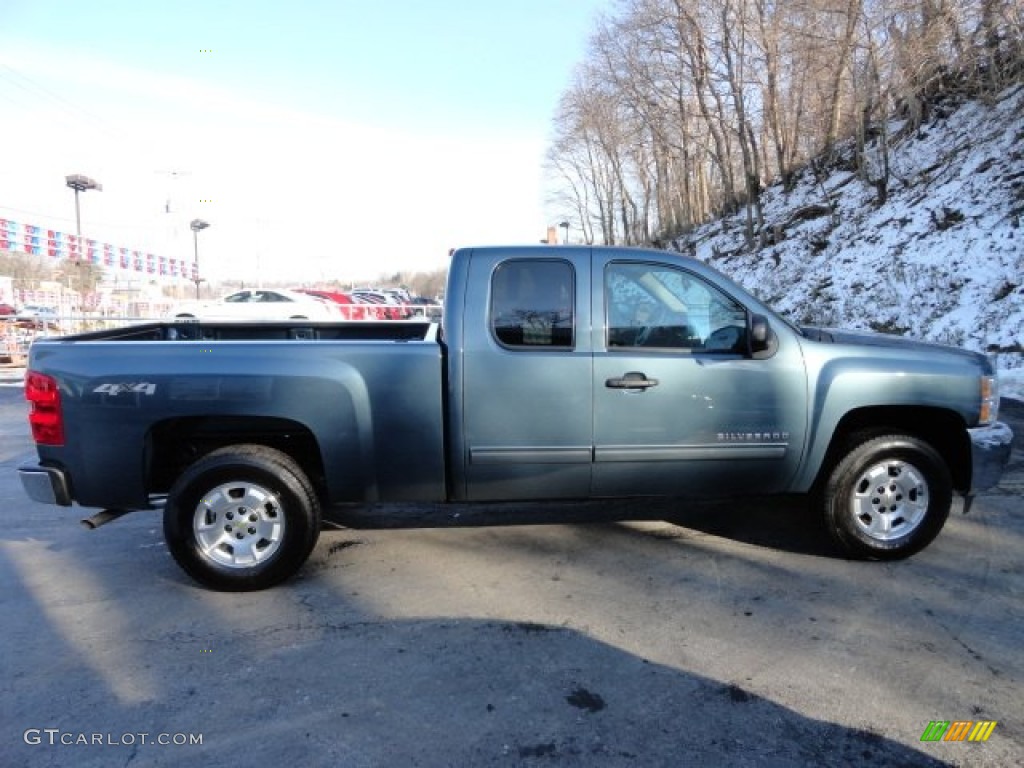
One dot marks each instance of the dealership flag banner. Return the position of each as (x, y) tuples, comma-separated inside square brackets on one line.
[(36, 241)]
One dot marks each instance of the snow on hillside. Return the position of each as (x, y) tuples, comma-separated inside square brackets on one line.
[(942, 259)]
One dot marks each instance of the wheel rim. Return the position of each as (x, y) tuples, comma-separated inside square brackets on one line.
[(889, 500), (239, 524)]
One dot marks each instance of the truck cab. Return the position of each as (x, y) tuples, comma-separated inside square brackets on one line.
[(589, 373)]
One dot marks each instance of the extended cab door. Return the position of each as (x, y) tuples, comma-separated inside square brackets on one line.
[(524, 372), (681, 405)]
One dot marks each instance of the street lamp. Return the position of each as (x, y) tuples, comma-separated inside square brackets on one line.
[(565, 225), (196, 226), (81, 183)]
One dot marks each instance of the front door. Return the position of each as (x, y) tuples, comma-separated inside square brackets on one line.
[(681, 407)]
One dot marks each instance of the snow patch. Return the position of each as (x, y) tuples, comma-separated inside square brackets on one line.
[(942, 259)]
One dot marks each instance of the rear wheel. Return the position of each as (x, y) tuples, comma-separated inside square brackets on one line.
[(888, 497), (242, 518)]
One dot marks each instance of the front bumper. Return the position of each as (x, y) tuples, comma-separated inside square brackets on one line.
[(48, 485), (990, 453)]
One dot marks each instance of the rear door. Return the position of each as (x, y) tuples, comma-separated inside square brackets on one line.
[(526, 395)]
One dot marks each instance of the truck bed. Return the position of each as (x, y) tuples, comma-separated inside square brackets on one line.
[(360, 401)]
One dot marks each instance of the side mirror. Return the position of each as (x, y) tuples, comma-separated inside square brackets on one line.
[(762, 339)]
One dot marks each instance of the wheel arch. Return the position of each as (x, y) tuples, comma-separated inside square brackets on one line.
[(943, 429), (172, 445)]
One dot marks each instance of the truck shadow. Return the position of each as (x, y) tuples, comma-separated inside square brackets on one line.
[(333, 680)]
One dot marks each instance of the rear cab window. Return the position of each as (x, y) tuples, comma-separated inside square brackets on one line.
[(532, 304)]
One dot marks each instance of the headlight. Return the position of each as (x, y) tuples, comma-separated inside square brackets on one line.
[(989, 401)]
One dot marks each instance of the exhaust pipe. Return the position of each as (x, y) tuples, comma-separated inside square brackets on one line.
[(102, 518)]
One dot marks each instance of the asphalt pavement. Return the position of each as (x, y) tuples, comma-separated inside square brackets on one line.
[(701, 636)]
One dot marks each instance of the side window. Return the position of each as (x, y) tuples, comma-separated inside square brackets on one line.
[(532, 303), (653, 305)]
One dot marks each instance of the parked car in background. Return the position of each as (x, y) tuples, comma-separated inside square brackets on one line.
[(350, 308), (36, 317), (400, 295), (420, 306), (38, 311), (390, 308), (375, 308), (6, 310), (276, 304)]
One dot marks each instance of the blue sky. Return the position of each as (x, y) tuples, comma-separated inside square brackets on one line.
[(320, 139)]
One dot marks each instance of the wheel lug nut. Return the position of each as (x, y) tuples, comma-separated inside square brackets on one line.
[(239, 535), (230, 515), (227, 528), (252, 530), (252, 518)]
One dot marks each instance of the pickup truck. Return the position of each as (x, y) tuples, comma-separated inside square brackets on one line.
[(561, 372)]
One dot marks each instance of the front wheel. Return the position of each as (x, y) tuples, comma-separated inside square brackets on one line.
[(888, 497), (242, 518)]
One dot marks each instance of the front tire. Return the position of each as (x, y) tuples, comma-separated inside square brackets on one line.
[(888, 497), (242, 518)]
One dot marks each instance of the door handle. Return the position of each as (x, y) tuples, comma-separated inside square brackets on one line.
[(631, 380)]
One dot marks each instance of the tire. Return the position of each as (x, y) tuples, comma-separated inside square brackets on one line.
[(242, 518), (888, 497)]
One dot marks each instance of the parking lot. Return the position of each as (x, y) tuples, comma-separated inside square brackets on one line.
[(727, 635)]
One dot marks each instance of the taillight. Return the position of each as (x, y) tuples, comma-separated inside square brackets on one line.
[(45, 416)]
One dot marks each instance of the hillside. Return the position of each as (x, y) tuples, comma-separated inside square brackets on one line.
[(942, 259)]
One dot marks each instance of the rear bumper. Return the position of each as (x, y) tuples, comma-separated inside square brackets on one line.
[(990, 453), (48, 485)]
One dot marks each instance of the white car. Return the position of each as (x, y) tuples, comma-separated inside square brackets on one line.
[(40, 312), (270, 304)]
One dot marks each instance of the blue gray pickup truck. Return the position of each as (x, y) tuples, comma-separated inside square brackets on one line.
[(560, 373)]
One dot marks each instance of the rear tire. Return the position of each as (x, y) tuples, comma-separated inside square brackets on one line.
[(242, 518), (888, 497)]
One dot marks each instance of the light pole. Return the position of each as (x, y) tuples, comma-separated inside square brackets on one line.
[(196, 226), (80, 183), (565, 225)]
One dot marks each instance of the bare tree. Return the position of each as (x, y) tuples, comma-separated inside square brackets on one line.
[(685, 108), (26, 270)]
